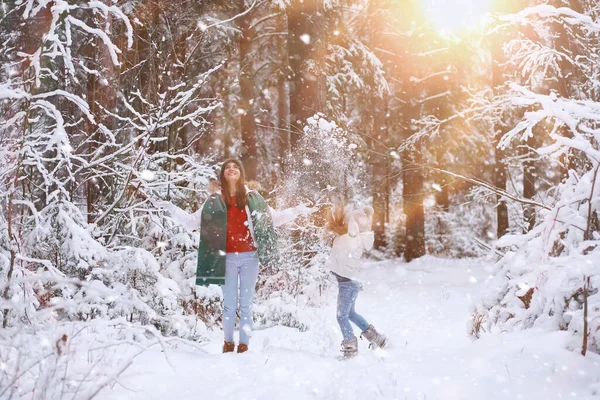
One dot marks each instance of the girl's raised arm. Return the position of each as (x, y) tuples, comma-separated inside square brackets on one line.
[(282, 217)]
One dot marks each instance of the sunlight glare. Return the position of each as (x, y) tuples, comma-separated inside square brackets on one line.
[(453, 16)]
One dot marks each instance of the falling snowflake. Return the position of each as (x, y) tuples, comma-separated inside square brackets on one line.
[(305, 38), (147, 175)]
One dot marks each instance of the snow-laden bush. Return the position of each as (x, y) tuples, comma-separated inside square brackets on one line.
[(542, 281), (549, 277), (72, 275), (72, 360), (58, 234)]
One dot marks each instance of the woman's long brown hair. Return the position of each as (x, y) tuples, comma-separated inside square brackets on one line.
[(240, 187)]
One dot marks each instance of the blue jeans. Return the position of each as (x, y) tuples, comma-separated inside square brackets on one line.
[(245, 267), (348, 292)]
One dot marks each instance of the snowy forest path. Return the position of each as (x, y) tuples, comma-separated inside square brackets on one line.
[(424, 308)]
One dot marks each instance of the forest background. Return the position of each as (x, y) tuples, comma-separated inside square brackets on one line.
[(468, 139)]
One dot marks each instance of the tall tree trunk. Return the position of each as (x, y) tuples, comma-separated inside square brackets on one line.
[(246, 103), (500, 183), (499, 153), (442, 198), (441, 88), (99, 92), (283, 91), (379, 206), (529, 179), (32, 33), (92, 188), (412, 185), (177, 133), (412, 197), (567, 76), (307, 95), (380, 177), (586, 289)]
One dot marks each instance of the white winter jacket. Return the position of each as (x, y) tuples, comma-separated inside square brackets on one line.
[(347, 251)]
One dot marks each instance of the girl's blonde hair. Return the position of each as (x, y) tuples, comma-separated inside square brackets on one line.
[(337, 221)]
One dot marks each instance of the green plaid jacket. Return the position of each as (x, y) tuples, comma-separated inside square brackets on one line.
[(213, 237)]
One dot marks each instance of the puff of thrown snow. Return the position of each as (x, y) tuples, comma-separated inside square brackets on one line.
[(282, 217), (318, 121), (326, 125)]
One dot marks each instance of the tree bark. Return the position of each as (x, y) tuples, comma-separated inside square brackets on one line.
[(586, 288), (412, 197), (529, 190), (412, 185), (99, 91), (246, 103), (283, 92), (380, 178), (307, 96), (442, 197), (499, 153), (92, 189), (500, 183), (379, 207), (567, 77)]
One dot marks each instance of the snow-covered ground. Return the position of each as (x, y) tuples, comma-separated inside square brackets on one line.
[(423, 307)]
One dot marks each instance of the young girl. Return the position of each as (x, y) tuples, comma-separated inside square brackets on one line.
[(354, 237)]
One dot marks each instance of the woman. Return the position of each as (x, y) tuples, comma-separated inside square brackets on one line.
[(236, 234)]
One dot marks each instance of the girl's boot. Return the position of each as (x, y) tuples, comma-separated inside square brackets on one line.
[(376, 339), (228, 347), (349, 347)]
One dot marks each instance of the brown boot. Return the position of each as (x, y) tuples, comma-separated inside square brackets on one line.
[(228, 347), (242, 348)]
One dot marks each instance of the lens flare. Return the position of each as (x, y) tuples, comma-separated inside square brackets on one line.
[(456, 16)]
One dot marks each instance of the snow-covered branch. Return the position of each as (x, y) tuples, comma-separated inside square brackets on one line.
[(565, 14)]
